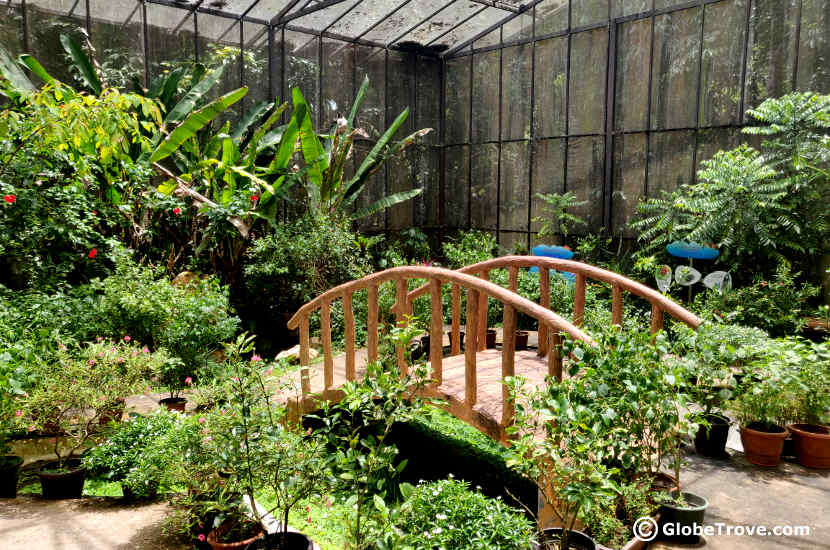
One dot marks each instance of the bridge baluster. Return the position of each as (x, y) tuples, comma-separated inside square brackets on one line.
[(482, 319), (436, 348), (372, 324), (455, 345), (471, 348), (325, 334), (508, 361), (514, 278), (544, 301), (656, 318), (401, 312), (616, 304), (305, 382), (348, 314), (579, 299), (555, 357)]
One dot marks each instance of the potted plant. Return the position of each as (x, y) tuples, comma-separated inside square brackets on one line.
[(258, 448), (123, 455), (70, 392), (174, 376), (521, 340), (10, 464), (559, 444), (759, 405), (807, 368), (709, 353)]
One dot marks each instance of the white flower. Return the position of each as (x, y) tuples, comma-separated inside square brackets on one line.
[(441, 516)]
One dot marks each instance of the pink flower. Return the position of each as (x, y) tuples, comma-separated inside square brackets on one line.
[(202, 420), (328, 503), (235, 379), (91, 362), (127, 338), (100, 338), (763, 283), (308, 509), (145, 349), (268, 372), (201, 537), (100, 354), (207, 430), (308, 431), (188, 380), (120, 359), (31, 429), (18, 412), (256, 358), (146, 390), (309, 519)]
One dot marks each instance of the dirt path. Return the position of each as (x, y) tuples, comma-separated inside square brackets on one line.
[(92, 523)]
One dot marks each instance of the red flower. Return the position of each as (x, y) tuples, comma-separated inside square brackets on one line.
[(10, 199), (254, 198), (763, 283), (94, 212), (93, 253), (177, 211), (201, 537)]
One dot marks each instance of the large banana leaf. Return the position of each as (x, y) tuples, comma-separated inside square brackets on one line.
[(14, 74), (171, 86), (192, 97), (35, 66), (288, 143), (386, 202), (252, 115), (194, 123), (358, 100), (374, 158), (82, 62), (313, 151)]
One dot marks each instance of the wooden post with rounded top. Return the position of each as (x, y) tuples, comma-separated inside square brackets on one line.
[(455, 344), (482, 315), (508, 363), (473, 320), (372, 324), (401, 313), (579, 299), (544, 301), (436, 348), (305, 382), (616, 304), (656, 319), (325, 335), (348, 315)]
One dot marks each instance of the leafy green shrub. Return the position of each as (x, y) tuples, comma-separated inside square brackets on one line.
[(121, 457), (447, 514), (471, 247), (777, 305), (190, 322)]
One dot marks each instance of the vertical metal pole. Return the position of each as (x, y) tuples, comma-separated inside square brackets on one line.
[(797, 43), (702, 9), (470, 147), (271, 94), (442, 159), (195, 37), (648, 108), (567, 101), (531, 153), (386, 125), (319, 94), (144, 25), (501, 137), (88, 21), (742, 104), (23, 13), (610, 111)]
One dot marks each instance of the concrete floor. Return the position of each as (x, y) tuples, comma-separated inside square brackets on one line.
[(740, 493)]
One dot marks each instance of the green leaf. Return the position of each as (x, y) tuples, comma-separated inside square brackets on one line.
[(253, 114), (36, 68), (358, 100), (171, 86), (374, 157), (168, 187), (313, 151), (12, 72), (192, 97), (386, 202), (82, 62), (194, 123)]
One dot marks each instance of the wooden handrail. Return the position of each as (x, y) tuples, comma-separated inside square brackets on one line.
[(660, 303)]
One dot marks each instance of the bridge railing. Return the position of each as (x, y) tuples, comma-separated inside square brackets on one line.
[(477, 288), (660, 304)]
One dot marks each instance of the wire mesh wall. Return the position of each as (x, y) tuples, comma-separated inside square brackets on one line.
[(612, 100)]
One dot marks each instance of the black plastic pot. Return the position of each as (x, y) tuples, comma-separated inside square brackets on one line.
[(577, 540), (60, 485), (174, 403), (710, 441), (9, 472), (677, 523), (460, 339), (274, 541)]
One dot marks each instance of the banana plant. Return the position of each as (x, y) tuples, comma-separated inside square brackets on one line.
[(329, 192), (224, 171)]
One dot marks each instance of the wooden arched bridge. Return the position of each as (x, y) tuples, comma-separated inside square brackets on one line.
[(470, 383)]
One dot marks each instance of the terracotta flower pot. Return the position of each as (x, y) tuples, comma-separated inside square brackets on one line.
[(67, 484), (763, 448), (812, 445), (174, 403), (217, 534)]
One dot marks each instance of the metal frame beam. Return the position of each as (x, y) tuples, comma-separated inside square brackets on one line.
[(524, 8), (500, 5), (307, 10)]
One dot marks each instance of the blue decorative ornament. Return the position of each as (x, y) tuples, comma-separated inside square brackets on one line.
[(553, 251), (695, 251)]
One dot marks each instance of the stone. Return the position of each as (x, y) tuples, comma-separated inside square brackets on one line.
[(292, 355)]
